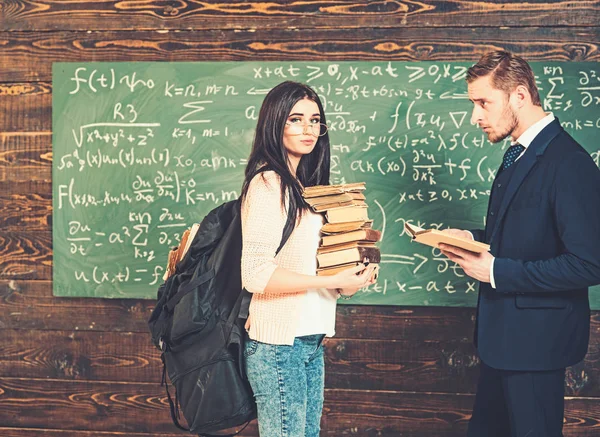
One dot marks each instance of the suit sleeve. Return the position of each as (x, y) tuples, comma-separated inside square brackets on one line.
[(576, 195), (263, 220), (478, 234)]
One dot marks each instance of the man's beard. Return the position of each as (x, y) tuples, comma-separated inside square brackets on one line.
[(507, 114)]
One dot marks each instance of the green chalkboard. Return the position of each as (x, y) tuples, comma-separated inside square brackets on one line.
[(143, 150)]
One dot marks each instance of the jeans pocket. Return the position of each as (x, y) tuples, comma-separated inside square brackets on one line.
[(319, 349), (250, 347)]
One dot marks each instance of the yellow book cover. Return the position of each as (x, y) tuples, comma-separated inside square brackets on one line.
[(347, 214), (358, 235)]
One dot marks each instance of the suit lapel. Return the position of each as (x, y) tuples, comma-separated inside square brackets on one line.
[(529, 159)]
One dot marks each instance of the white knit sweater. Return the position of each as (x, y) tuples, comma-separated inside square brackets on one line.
[(274, 317)]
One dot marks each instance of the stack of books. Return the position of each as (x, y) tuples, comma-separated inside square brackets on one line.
[(347, 236)]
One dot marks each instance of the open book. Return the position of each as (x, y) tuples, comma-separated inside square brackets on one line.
[(433, 237)]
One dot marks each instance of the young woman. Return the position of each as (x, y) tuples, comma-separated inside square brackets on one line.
[(292, 309)]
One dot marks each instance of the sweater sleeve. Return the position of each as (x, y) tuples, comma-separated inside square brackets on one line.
[(263, 220)]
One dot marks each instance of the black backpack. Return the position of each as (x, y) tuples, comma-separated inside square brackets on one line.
[(198, 324)]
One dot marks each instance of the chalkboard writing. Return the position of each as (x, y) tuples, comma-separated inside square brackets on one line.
[(143, 150)]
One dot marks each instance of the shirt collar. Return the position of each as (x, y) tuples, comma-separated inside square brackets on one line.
[(532, 131)]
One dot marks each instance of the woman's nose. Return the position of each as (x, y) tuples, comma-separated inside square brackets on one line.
[(308, 129)]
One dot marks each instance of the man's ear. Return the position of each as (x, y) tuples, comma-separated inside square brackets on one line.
[(521, 96)]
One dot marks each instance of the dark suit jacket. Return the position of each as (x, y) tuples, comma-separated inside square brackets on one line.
[(546, 241)]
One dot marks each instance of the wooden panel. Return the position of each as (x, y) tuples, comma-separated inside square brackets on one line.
[(25, 255), (24, 107), (141, 408), (111, 407), (30, 305), (25, 156), (405, 323), (416, 364), (24, 88), (25, 206), (154, 14), (34, 432), (31, 54), (411, 365), (428, 414), (422, 365), (103, 356)]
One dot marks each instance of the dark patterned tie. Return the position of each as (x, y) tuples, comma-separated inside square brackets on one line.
[(511, 155)]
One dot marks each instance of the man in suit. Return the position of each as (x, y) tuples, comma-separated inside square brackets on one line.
[(543, 227)]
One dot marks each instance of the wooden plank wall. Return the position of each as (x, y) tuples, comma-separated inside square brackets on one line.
[(85, 367)]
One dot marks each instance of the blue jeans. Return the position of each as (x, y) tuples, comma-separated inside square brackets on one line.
[(288, 384)]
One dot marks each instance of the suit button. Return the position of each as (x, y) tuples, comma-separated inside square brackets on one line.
[(492, 213), (499, 185)]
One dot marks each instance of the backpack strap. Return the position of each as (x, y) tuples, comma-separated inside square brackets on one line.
[(287, 232), (172, 404), (246, 297), (198, 280)]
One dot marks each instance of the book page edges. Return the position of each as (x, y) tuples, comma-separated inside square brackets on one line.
[(433, 237)]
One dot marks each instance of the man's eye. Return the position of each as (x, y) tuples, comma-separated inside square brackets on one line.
[(483, 104)]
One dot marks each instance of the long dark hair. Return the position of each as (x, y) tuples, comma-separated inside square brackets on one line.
[(269, 152)]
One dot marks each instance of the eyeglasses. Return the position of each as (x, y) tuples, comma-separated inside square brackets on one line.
[(317, 129)]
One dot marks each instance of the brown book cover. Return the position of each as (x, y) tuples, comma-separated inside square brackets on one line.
[(176, 254), (433, 237), (358, 235), (336, 228), (349, 255), (330, 271), (318, 191), (330, 198), (341, 201), (325, 207), (323, 190), (171, 263), (356, 195), (323, 203), (347, 214), (347, 245)]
